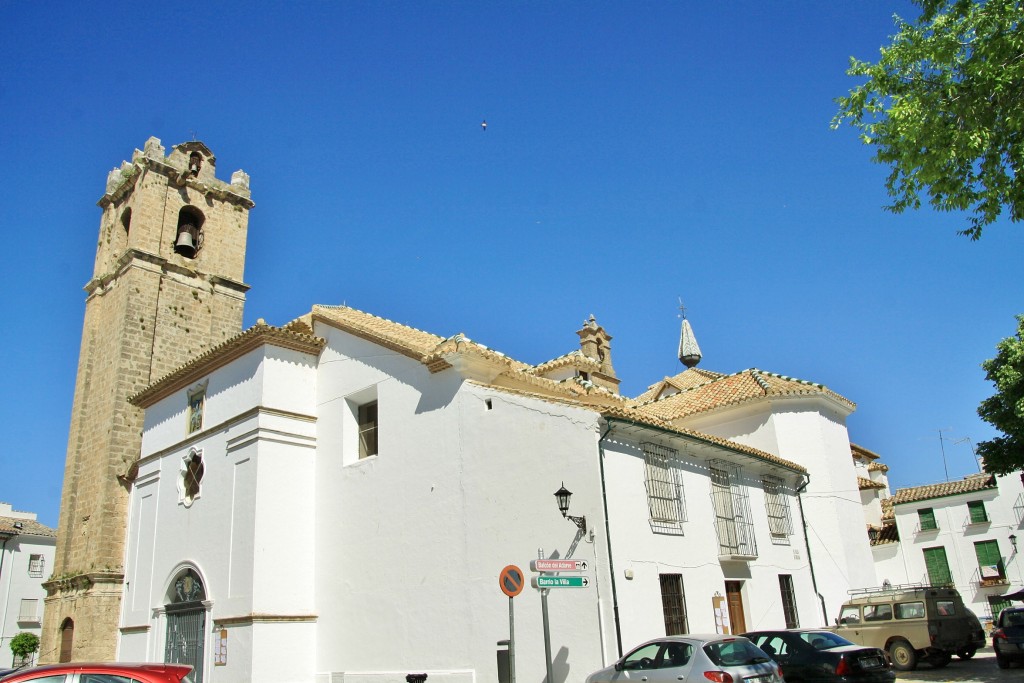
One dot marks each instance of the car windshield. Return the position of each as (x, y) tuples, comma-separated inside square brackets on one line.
[(734, 652), (824, 640)]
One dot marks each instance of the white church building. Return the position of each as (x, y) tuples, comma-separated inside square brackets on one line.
[(334, 501)]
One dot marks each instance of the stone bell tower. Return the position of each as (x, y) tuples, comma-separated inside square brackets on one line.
[(166, 287)]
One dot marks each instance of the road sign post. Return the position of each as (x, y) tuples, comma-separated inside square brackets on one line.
[(511, 583)]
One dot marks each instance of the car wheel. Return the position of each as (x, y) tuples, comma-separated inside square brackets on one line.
[(940, 660), (903, 656), (1002, 662), (966, 653)]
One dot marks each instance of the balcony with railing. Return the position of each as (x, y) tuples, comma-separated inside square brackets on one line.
[(990, 575)]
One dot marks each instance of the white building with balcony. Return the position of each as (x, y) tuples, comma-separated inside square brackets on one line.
[(335, 500), (26, 556), (966, 533)]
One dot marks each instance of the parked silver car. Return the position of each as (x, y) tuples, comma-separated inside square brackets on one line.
[(693, 658)]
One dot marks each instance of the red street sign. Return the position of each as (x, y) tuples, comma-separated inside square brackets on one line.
[(558, 565), (511, 581)]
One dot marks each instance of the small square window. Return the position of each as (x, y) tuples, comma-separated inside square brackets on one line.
[(36, 566)]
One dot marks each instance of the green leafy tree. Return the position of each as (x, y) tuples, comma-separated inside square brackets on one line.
[(24, 644), (944, 108), (1005, 410)]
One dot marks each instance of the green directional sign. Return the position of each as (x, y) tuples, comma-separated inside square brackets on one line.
[(560, 581)]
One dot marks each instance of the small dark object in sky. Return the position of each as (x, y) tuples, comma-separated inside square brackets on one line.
[(484, 124)]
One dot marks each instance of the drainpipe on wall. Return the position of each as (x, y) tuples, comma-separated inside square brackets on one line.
[(807, 545), (608, 543)]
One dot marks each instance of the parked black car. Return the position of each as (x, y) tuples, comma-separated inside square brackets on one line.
[(813, 656), (1008, 637)]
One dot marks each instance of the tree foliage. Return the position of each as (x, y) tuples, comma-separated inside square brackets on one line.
[(24, 644), (944, 108), (1005, 410)]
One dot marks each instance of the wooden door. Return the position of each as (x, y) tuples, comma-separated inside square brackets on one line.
[(734, 599)]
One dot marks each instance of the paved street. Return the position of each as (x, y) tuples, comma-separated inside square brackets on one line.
[(981, 669)]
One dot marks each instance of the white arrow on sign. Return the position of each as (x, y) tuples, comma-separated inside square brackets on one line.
[(558, 565), (544, 581)]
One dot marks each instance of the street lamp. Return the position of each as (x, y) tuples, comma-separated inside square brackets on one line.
[(563, 495), (1013, 542)]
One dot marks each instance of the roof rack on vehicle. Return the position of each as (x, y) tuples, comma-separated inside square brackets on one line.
[(898, 588)]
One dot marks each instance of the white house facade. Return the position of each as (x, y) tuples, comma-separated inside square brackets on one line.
[(335, 501), (26, 559), (807, 423), (966, 532)]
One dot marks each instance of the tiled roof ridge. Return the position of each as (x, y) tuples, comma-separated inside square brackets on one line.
[(758, 376), (879, 466), (242, 342), (969, 484), (460, 343), (864, 451), (683, 390), (761, 381), (571, 358), (573, 387), (864, 483), (345, 308)]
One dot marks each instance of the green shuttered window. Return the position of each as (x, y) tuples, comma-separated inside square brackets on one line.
[(938, 566)]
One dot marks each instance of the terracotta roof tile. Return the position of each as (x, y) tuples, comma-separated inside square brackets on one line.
[(571, 359), (417, 342), (625, 413), (886, 535), (292, 336), (29, 527), (969, 484), (863, 483), (740, 387), (877, 467), (888, 511), (687, 379), (860, 450)]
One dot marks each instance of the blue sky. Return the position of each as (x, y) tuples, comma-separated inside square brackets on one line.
[(635, 153)]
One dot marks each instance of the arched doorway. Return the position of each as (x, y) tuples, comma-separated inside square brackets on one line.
[(186, 624), (67, 639)]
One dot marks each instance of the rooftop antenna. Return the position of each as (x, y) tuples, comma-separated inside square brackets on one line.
[(942, 445), (977, 460)]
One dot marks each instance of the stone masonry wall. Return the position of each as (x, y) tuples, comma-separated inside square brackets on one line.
[(149, 310)]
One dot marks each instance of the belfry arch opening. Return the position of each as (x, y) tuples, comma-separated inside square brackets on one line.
[(189, 237)]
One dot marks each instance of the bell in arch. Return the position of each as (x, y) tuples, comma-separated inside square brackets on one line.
[(185, 245)]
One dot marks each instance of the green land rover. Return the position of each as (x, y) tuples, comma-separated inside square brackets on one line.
[(913, 623)]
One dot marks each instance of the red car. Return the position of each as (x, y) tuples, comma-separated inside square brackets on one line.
[(111, 672)]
